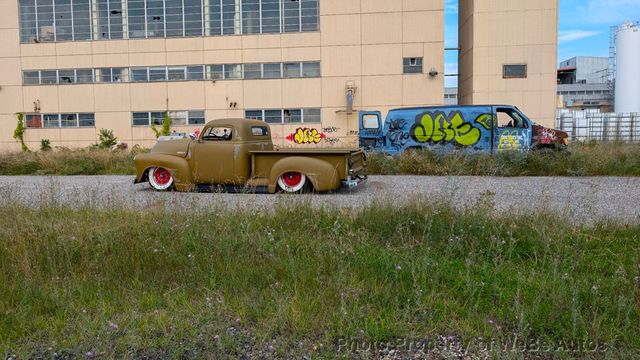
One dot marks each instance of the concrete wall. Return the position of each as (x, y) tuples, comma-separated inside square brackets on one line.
[(360, 41), (498, 32)]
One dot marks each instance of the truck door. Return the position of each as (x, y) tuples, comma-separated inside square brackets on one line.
[(512, 130), (212, 156), (370, 137)]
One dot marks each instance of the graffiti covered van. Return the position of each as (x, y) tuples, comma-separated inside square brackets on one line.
[(481, 128)]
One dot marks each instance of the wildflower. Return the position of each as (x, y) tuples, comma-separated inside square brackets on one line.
[(398, 267), (89, 354), (113, 326)]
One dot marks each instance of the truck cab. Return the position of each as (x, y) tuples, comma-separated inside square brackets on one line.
[(478, 128)]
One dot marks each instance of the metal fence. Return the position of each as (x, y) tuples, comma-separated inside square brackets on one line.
[(585, 125)]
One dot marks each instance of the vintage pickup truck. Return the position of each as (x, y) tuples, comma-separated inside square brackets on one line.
[(239, 154), (476, 128)]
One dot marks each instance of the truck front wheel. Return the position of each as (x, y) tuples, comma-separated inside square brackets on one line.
[(292, 182), (160, 179)]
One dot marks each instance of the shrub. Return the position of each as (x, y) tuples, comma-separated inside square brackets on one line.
[(18, 133), (107, 139), (166, 126), (45, 145)]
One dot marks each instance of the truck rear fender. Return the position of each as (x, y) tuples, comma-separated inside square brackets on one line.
[(179, 168), (322, 174)]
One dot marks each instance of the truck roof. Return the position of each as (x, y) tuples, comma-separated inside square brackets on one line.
[(449, 107), (237, 122)]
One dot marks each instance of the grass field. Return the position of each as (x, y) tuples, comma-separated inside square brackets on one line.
[(300, 281), (592, 159)]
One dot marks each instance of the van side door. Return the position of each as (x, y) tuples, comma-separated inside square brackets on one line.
[(370, 131), (512, 130)]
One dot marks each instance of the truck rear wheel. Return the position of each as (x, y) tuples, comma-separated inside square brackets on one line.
[(292, 182), (160, 179)]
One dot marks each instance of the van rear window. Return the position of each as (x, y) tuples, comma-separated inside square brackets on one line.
[(259, 131)]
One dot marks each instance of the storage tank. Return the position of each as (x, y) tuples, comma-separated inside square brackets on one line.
[(628, 68)]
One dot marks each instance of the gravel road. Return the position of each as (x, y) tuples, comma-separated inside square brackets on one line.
[(580, 199)]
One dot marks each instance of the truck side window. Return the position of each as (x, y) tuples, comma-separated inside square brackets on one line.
[(509, 118), (259, 131), (218, 134), (370, 122)]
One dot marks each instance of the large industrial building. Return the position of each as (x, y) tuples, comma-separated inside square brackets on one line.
[(508, 52), (74, 67)]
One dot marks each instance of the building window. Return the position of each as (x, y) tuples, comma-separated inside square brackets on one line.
[(252, 71), (285, 116), (311, 69), (195, 72), (31, 77), (233, 71), (60, 120), (412, 65), (70, 20), (272, 71), (291, 70), (139, 74), (181, 117), (514, 71)]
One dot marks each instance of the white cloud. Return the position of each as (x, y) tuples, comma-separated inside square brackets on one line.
[(607, 11), (573, 35)]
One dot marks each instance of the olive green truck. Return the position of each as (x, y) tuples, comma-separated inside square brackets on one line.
[(239, 154)]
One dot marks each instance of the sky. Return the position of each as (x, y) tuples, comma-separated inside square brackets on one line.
[(583, 30)]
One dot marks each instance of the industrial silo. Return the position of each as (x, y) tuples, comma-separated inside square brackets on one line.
[(628, 68)]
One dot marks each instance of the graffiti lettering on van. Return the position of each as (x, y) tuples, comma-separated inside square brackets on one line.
[(397, 137), (437, 127), (510, 140)]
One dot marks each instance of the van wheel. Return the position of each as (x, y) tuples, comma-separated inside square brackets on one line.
[(292, 182), (160, 179)]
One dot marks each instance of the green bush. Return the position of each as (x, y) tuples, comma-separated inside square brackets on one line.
[(45, 145)]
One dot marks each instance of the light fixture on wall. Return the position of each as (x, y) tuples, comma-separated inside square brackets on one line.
[(351, 93), (433, 72)]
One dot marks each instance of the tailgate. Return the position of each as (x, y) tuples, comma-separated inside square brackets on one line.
[(358, 163)]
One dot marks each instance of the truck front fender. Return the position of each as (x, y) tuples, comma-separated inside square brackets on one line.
[(179, 168), (323, 175)]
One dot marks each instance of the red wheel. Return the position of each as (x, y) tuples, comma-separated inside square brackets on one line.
[(292, 182), (160, 178)]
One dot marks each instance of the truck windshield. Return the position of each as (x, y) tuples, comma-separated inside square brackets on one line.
[(217, 134), (510, 118)]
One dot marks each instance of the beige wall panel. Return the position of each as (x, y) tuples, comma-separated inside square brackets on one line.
[(261, 55), (334, 91), (266, 41), (9, 14), (33, 137), (10, 72), (300, 39), (420, 90), (381, 90), (146, 97), (48, 96), (185, 58), (222, 42), (44, 49), (186, 95), (111, 46), (219, 94), (112, 97), (185, 44), (340, 30), (76, 98), (7, 125), (11, 100), (301, 93), (223, 56), (78, 134), (382, 28), (118, 121), (147, 59), (423, 26), (39, 62), (434, 58), (341, 61), (10, 42), (301, 54), (74, 48), (382, 59), (387, 6), (110, 60), (265, 94), (74, 61), (147, 45), (215, 115), (235, 113), (413, 50), (426, 5), (339, 7), (143, 135)]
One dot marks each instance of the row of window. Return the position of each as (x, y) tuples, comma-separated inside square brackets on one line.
[(147, 118), (585, 92), (284, 116), (60, 120), (69, 20), (173, 73)]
